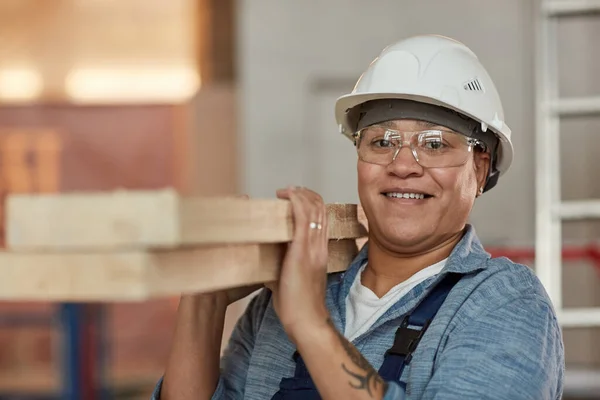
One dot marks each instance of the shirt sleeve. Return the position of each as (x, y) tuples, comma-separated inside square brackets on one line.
[(512, 352), (236, 356)]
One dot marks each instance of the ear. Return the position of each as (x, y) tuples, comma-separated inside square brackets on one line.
[(482, 166)]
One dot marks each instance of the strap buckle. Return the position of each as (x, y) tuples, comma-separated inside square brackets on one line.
[(406, 340)]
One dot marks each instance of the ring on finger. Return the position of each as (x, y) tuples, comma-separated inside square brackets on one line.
[(315, 225)]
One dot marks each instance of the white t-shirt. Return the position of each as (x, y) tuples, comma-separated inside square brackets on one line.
[(363, 307)]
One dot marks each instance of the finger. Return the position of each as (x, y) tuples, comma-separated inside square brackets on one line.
[(318, 211), (310, 224), (300, 215), (318, 226), (320, 236), (314, 204), (284, 193)]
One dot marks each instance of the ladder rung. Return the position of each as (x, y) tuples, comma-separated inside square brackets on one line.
[(566, 7), (582, 209), (579, 317), (576, 106), (582, 383)]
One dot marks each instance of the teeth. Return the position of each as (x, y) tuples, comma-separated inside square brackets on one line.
[(406, 195)]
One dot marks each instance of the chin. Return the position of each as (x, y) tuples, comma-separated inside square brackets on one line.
[(406, 234)]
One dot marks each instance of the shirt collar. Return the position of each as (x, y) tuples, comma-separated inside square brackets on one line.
[(468, 256)]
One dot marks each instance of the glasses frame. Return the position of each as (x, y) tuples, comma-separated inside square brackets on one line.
[(469, 141)]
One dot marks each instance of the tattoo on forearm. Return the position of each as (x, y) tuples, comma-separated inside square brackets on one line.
[(364, 382), (366, 378)]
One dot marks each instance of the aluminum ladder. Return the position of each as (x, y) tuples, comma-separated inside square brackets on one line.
[(551, 211)]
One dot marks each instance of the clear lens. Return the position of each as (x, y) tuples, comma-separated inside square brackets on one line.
[(431, 148)]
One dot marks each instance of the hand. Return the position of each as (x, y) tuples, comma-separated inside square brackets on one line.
[(299, 294)]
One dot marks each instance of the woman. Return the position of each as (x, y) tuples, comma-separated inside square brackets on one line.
[(430, 135)]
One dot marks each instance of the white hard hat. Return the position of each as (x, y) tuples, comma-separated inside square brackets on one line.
[(435, 70)]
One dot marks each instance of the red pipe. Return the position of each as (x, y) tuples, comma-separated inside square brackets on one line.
[(589, 252)]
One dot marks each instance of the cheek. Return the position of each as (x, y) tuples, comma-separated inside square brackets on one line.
[(459, 185), (368, 174)]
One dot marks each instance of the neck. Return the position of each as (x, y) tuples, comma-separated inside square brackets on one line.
[(387, 268)]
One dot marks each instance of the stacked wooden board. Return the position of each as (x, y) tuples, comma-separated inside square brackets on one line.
[(137, 245)]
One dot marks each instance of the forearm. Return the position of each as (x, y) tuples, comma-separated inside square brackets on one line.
[(193, 366), (337, 368)]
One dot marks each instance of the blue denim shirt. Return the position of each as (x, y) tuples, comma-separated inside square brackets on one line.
[(495, 337)]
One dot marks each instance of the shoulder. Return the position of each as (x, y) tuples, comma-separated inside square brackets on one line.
[(499, 278), (507, 280), (505, 303), (503, 289), (501, 324)]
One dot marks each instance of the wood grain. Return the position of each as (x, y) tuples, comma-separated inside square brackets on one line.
[(155, 219), (138, 275)]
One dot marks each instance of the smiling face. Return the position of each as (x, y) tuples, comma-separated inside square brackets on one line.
[(412, 209)]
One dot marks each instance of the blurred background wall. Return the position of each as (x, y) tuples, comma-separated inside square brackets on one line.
[(223, 97)]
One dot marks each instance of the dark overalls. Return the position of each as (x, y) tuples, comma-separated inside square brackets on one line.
[(301, 386)]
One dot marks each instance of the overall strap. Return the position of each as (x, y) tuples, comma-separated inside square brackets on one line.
[(298, 387), (413, 328), (301, 386)]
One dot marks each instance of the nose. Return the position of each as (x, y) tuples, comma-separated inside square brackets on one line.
[(405, 164)]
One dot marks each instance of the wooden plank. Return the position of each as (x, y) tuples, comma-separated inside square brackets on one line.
[(157, 219), (92, 220), (234, 220), (138, 275)]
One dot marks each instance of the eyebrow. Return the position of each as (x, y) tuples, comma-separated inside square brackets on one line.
[(426, 124), (387, 124)]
